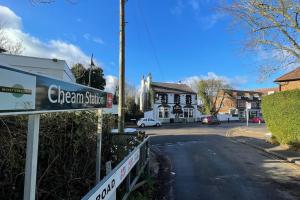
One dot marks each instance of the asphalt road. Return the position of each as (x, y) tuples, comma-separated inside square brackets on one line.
[(205, 164)]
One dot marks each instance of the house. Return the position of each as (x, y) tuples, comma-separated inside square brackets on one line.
[(168, 102), (51, 67), (233, 102), (289, 81)]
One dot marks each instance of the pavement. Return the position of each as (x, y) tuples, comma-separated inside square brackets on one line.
[(202, 162), (258, 137)]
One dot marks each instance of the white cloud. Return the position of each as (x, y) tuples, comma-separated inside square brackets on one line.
[(86, 36), (89, 37), (33, 46), (98, 40), (210, 20), (9, 19), (235, 82), (199, 8), (111, 83)]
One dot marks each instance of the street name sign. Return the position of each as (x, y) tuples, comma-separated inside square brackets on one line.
[(23, 92), (248, 105), (106, 188)]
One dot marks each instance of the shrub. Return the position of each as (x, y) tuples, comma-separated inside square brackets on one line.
[(282, 115), (66, 159)]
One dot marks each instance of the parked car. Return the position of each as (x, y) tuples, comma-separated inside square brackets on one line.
[(210, 120), (126, 131), (257, 120), (143, 122)]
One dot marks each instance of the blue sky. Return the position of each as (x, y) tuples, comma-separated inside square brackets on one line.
[(175, 40)]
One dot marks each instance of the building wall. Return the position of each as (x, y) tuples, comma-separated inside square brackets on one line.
[(228, 103), (171, 103), (290, 85), (50, 67)]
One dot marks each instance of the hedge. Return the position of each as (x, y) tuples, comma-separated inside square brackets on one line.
[(67, 152), (282, 115)]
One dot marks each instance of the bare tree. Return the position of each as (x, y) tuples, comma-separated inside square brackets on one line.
[(212, 93), (273, 27), (8, 45)]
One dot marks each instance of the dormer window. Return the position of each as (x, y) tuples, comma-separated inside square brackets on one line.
[(188, 99), (177, 99), (164, 98)]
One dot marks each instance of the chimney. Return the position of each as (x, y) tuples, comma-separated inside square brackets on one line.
[(149, 81)]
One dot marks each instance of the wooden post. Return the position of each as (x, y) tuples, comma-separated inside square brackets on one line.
[(121, 105), (31, 157)]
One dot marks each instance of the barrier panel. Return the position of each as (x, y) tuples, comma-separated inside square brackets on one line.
[(106, 188), (26, 93)]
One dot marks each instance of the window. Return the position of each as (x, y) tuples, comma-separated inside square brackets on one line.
[(163, 112), (255, 104), (164, 98), (166, 114), (177, 99), (188, 99), (241, 103), (242, 114), (160, 114), (188, 112), (191, 113)]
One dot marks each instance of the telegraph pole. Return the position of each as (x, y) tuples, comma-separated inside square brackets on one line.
[(121, 68)]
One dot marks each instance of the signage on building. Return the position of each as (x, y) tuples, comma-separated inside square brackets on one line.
[(23, 93), (104, 190), (248, 105)]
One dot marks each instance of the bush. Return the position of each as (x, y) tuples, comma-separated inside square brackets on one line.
[(282, 115), (66, 159)]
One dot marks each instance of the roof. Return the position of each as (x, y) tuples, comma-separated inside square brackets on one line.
[(291, 76), (51, 67), (267, 90), (241, 92), (177, 88)]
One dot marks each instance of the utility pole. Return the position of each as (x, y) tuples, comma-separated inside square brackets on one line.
[(121, 68)]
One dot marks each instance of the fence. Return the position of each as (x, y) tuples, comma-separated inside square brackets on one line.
[(128, 170)]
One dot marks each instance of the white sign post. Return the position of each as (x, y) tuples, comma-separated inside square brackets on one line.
[(248, 107), (31, 156)]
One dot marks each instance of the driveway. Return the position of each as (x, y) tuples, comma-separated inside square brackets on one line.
[(205, 164)]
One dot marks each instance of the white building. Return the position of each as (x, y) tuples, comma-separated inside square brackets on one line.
[(168, 102), (50, 67)]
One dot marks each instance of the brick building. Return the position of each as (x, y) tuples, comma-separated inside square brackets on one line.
[(289, 81), (234, 102)]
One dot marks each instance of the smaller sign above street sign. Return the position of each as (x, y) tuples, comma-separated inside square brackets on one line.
[(248, 105), (22, 92)]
